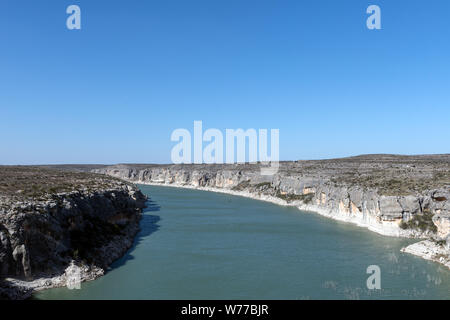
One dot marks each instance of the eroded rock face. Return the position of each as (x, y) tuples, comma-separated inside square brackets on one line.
[(41, 238), (392, 195), (442, 222), (6, 258), (369, 193), (21, 258), (390, 208)]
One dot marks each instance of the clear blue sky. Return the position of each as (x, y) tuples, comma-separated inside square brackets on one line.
[(116, 89)]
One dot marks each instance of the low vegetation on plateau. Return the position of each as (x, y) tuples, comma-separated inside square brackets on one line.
[(290, 197), (19, 183), (390, 175), (422, 222)]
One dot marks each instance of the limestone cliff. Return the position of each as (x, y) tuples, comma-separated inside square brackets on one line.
[(391, 195), (82, 219)]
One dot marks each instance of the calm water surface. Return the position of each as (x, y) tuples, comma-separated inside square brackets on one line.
[(203, 245)]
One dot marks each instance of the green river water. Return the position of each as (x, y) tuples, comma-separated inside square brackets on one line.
[(204, 245)]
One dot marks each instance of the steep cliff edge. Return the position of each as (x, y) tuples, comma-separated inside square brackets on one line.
[(392, 195), (53, 221)]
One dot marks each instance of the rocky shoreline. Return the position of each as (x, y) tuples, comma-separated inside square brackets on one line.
[(54, 221), (423, 213), (83, 225)]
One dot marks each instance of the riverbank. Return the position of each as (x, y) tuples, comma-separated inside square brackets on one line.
[(193, 242), (60, 227), (426, 249), (392, 231), (354, 190)]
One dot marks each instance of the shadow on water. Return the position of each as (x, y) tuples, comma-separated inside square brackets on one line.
[(148, 225)]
